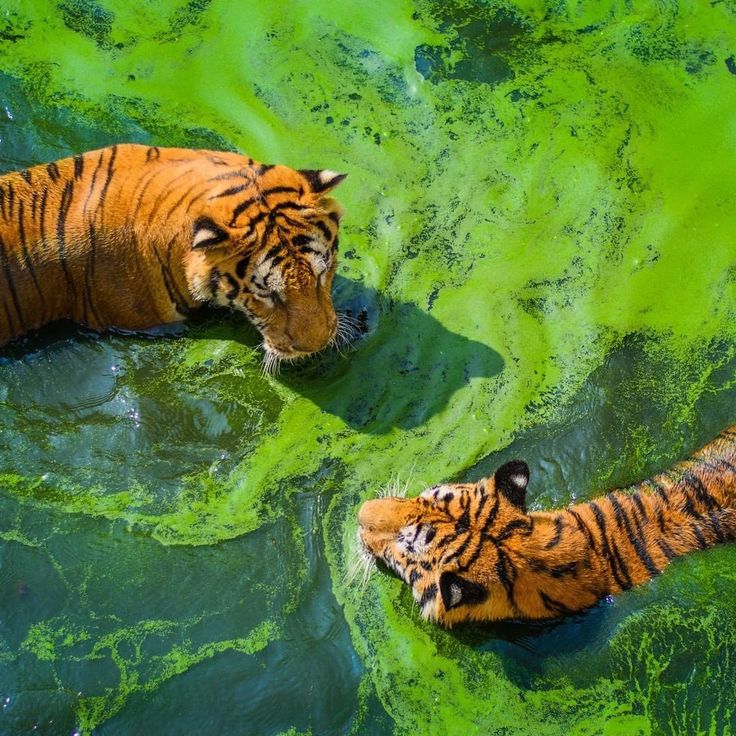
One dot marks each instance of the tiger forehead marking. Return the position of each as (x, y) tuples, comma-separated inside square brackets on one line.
[(473, 552), (173, 229)]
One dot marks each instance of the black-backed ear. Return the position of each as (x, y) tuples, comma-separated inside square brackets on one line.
[(322, 181), (457, 590), (206, 234), (511, 480)]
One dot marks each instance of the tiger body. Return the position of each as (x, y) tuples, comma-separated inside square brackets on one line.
[(471, 552), (133, 236)]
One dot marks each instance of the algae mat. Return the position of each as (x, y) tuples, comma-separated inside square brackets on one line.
[(539, 237)]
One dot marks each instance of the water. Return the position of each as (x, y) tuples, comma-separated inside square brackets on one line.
[(539, 238)]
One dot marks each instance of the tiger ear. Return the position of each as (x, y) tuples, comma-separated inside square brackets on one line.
[(206, 234), (322, 181), (457, 590), (511, 480)]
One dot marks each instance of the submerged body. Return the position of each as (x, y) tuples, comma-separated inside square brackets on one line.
[(471, 552), (134, 236)]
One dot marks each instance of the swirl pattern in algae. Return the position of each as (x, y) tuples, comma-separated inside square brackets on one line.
[(540, 233)]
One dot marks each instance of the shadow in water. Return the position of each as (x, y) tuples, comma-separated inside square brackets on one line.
[(401, 369), (400, 372)]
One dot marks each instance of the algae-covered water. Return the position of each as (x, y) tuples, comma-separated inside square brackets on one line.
[(539, 238)]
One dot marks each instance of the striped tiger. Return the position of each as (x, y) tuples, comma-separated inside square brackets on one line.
[(134, 236), (472, 552)]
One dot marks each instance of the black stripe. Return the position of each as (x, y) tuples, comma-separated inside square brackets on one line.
[(701, 492), (491, 518), (697, 531), (252, 222), (484, 497), (637, 542), (24, 248), (42, 216), (473, 557), (168, 188), (568, 568), (234, 287), (26, 176), (64, 205), (618, 570), (716, 524), (89, 273), (11, 285), (659, 490), (94, 179), (110, 169), (242, 266), (279, 190), (506, 573), (669, 553), (53, 171), (640, 505), (240, 174), (559, 524), (178, 202), (584, 528), (554, 606), (512, 526), (326, 232), (78, 166), (429, 594), (34, 200), (240, 208), (11, 198), (153, 153), (175, 296), (232, 190), (2, 204)]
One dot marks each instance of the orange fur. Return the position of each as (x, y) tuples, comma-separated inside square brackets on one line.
[(132, 236), (471, 552)]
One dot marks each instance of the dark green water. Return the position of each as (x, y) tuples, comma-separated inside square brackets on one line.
[(540, 228)]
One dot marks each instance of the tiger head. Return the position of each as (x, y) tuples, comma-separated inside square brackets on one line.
[(266, 243), (451, 543)]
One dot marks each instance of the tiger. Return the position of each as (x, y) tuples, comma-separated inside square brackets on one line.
[(471, 552), (133, 236)]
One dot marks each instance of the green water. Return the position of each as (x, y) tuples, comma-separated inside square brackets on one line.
[(540, 233)]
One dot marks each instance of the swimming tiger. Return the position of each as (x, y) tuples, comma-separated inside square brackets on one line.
[(134, 236), (472, 552)]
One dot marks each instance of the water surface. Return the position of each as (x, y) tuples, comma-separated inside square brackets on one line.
[(540, 236)]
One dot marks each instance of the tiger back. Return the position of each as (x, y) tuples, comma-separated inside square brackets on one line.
[(134, 236), (472, 552)]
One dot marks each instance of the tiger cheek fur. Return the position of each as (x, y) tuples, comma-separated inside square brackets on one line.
[(482, 557)]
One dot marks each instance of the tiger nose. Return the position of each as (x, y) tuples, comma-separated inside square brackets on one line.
[(370, 514), (317, 338)]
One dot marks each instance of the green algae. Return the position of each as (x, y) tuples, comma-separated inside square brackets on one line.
[(530, 186)]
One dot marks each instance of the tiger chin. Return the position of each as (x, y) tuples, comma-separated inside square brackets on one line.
[(134, 236), (472, 551)]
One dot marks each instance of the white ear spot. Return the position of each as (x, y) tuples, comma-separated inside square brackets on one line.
[(327, 175), (519, 480), (456, 595)]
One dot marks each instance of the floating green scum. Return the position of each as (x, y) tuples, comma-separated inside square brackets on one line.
[(539, 238)]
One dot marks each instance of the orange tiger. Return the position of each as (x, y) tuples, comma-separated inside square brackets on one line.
[(135, 236), (471, 552)]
